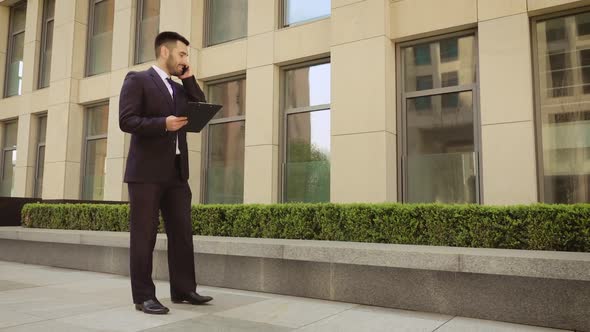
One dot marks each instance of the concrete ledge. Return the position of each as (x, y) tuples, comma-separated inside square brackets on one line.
[(530, 287), (522, 263)]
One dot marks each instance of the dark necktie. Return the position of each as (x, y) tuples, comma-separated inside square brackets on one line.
[(173, 92)]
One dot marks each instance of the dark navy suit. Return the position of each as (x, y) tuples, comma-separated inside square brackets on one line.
[(157, 179)]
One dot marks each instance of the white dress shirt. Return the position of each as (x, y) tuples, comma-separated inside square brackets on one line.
[(164, 77)]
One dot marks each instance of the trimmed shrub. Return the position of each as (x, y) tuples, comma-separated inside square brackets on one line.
[(533, 227)]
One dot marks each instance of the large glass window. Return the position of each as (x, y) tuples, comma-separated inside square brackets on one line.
[(95, 152), (40, 168), (227, 20), (46, 43), (300, 11), (8, 159), (306, 157), (562, 69), (16, 44), (224, 166), (439, 123), (100, 37), (148, 25)]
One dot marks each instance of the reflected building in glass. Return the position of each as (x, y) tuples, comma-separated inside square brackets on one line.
[(224, 165), (306, 159), (439, 121), (563, 56)]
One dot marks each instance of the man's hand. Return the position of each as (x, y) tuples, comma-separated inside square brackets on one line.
[(174, 123), (188, 73)]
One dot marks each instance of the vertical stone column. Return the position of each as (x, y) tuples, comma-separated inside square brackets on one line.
[(122, 58), (197, 12), (65, 117), (261, 162), (185, 17), (363, 103), (506, 94)]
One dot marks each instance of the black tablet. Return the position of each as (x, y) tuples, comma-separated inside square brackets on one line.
[(199, 114)]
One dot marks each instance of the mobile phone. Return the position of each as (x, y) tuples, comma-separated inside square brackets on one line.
[(184, 69)]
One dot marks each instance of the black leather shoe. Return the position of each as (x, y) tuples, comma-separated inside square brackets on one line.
[(153, 307), (192, 298)]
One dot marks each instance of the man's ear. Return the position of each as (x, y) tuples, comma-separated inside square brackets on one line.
[(164, 51)]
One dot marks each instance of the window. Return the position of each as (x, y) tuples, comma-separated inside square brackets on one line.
[(8, 159), (449, 49), (561, 78), (562, 61), (306, 152), (225, 141), (148, 25), (583, 24), (450, 100), (39, 169), (46, 43), (227, 20), (423, 83), (555, 30), (585, 64), (422, 55), (16, 44), (449, 79), (95, 152), (301, 11), (100, 37), (439, 144)]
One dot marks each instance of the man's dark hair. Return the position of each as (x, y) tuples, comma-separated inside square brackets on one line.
[(168, 37)]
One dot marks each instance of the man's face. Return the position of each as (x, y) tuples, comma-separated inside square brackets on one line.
[(177, 59)]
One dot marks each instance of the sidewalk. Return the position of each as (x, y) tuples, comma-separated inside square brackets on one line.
[(40, 298)]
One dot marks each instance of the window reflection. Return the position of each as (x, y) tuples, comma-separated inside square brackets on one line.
[(307, 156), (299, 11), (563, 55)]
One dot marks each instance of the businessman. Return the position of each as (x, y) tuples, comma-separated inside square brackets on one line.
[(153, 109)]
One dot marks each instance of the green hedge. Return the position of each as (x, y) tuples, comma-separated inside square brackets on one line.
[(537, 227)]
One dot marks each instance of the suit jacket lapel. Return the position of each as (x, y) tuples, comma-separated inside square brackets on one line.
[(162, 87)]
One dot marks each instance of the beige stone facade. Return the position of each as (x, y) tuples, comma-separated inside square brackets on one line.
[(360, 38)]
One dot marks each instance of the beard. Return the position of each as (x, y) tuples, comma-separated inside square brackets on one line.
[(172, 67)]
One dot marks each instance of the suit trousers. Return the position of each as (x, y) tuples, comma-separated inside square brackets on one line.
[(173, 198)]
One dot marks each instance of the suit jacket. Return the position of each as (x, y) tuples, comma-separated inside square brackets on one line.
[(144, 105)]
